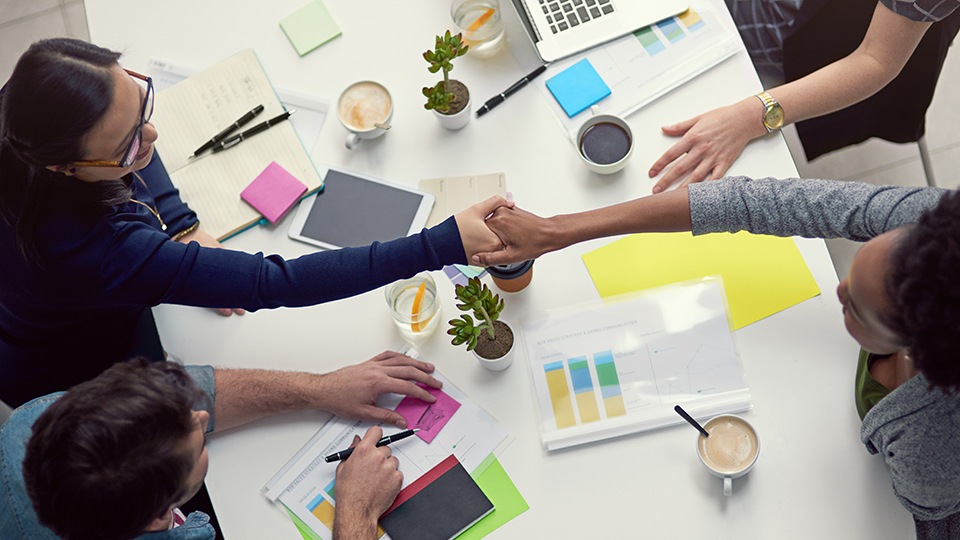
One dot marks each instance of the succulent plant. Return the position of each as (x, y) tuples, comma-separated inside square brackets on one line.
[(446, 49), (486, 308)]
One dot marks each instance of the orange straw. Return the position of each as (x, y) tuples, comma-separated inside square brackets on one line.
[(477, 24), (415, 316)]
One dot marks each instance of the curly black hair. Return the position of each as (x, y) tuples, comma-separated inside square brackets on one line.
[(924, 285)]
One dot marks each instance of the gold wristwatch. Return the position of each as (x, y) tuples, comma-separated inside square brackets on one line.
[(772, 112)]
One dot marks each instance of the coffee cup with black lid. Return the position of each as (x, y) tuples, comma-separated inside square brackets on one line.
[(605, 142)]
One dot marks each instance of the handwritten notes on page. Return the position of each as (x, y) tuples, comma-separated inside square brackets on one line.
[(193, 110)]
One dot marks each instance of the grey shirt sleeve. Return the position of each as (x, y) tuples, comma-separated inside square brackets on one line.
[(809, 208), (204, 378), (922, 10)]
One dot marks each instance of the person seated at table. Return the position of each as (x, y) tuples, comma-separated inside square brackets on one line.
[(94, 233), (114, 457), (710, 143), (901, 301)]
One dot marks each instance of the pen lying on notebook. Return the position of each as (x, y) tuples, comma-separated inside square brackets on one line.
[(230, 129), (344, 454), (262, 126)]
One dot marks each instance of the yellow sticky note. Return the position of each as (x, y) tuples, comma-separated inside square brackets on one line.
[(761, 274)]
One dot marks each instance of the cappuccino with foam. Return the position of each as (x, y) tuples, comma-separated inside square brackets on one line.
[(363, 105), (731, 447)]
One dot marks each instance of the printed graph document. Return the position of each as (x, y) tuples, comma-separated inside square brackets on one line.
[(642, 66), (190, 112), (605, 370), (305, 486)]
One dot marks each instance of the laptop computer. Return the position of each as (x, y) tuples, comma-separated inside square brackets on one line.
[(560, 28)]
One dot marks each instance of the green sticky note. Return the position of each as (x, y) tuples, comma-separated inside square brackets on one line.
[(304, 529), (506, 499), (309, 27)]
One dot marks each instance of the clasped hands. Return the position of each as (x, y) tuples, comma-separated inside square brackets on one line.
[(496, 232)]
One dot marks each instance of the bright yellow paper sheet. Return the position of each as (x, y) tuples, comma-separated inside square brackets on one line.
[(761, 274)]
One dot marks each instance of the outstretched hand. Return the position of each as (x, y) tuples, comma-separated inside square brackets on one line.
[(476, 236), (352, 392), (367, 483), (524, 236), (709, 144)]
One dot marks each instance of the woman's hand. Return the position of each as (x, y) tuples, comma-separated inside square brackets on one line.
[(709, 143), (524, 236), (201, 237), (476, 236)]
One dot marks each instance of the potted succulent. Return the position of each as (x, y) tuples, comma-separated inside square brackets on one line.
[(449, 99), (490, 339)]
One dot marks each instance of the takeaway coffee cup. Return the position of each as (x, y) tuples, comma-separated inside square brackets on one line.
[(731, 450), (605, 142), (360, 107)]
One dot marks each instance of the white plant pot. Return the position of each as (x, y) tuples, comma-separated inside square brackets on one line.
[(456, 121), (501, 363)]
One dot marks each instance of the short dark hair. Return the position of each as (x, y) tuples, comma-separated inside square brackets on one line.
[(106, 458), (924, 285), (59, 90)]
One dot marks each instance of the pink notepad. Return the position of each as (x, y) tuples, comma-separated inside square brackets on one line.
[(429, 417), (273, 192)]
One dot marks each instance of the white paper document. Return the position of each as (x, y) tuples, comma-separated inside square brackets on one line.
[(648, 63), (602, 371), (306, 484)]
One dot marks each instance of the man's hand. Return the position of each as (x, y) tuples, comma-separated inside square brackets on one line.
[(352, 392), (201, 237), (367, 483)]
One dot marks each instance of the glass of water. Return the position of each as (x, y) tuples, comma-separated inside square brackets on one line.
[(415, 307), (480, 23)]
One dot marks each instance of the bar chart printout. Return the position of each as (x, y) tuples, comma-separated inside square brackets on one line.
[(605, 370), (583, 388), (609, 384), (559, 395)]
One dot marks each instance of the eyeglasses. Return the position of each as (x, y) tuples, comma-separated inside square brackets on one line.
[(146, 111)]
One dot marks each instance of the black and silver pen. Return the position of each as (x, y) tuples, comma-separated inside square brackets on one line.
[(230, 129), (262, 126), (344, 454), (498, 99)]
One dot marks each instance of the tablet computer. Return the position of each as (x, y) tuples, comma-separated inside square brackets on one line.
[(354, 210)]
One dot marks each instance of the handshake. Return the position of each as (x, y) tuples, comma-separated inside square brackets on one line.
[(496, 232)]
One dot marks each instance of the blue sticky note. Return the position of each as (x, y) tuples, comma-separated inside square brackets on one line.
[(577, 87)]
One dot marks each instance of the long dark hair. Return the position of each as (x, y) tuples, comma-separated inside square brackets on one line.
[(59, 90)]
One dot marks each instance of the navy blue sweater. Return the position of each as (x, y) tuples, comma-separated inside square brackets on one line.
[(65, 322)]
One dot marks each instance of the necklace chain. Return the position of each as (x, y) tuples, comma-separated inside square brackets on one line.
[(152, 209)]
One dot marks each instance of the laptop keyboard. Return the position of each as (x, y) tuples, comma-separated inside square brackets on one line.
[(565, 14)]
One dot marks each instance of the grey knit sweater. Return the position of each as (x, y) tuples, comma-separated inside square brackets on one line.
[(916, 429)]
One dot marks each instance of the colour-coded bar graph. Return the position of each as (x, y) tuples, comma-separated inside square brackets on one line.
[(671, 30), (559, 395), (691, 19), (323, 510), (649, 40), (609, 384), (583, 388)]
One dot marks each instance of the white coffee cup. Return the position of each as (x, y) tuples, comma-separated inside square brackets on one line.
[(731, 450), (604, 142), (362, 105)]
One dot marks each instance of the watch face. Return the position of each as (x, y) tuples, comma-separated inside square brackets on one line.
[(773, 117)]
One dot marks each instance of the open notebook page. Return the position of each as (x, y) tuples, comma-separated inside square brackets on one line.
[(193, 110)]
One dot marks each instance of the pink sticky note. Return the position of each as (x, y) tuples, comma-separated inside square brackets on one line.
[(429, 417), (273, 192)]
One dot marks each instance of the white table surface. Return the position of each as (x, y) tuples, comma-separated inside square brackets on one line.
[(814, 478)]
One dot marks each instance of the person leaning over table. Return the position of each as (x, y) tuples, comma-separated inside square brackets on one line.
[(94, 232), (711, 142), (114, 457), (901, 302)]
